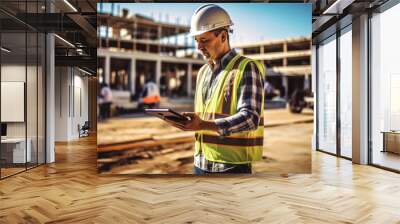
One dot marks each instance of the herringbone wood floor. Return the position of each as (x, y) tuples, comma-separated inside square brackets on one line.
[(70, 191)]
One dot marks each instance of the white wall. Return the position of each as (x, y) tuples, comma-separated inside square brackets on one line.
[(80, 102), (61, 103), (71, 102), (12, 73)]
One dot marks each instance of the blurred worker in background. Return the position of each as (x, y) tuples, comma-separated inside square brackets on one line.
[(150, 96), (229, 99), (105, 101)]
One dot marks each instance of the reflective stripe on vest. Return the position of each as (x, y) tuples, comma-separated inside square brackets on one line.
[(237, 148), (231, 141), (217, 115)]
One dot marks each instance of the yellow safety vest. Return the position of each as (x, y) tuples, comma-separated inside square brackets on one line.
[(238, 148)]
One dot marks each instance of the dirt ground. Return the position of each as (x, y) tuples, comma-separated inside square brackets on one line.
[(287, 145)]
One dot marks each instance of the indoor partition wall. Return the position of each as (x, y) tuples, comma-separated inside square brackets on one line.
[(22, 77)]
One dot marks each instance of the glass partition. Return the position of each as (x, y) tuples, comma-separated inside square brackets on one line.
[(13, 95), (327, 95), (22, 88)]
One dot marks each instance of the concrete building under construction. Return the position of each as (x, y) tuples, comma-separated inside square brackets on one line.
[(287, 62), (135, 48)]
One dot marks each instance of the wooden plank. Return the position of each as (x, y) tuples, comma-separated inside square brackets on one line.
[(143, 144)]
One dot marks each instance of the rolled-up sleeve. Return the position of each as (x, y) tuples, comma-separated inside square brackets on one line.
[(249, 107)]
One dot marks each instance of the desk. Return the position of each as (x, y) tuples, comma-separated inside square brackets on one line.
[(15, 148), (391, 141)]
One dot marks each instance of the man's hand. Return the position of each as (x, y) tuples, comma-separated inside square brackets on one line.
[(194, 124)]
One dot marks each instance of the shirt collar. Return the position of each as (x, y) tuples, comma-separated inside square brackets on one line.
[(223, 62)]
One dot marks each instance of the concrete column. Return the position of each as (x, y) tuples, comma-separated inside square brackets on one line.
[(158, 38), (306, 81), (133, 75), (159, 32), (186, 45), (134, 35), (134, 30), (285, 84), (158, 72), (107, 35), (107, 69), (262, 49), (176, 36), (360, 90), (50, 98), (189, 79), (284, 51)]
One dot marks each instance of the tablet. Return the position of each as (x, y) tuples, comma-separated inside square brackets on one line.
[(167, 114)]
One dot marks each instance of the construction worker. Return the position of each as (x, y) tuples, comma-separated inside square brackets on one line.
[(229, 99), (150, 96), (105, 101)]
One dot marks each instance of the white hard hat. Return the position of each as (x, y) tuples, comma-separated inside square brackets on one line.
[(209, 17)]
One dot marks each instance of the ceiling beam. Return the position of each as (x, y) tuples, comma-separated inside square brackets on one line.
[(84, 24)]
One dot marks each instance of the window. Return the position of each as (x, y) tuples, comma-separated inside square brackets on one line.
[(327, 95), (346, 92), (385, 89)]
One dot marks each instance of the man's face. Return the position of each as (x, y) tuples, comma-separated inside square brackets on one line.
[(209, 45)]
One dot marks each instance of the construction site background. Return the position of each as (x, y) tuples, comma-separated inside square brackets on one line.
[(134, 48)]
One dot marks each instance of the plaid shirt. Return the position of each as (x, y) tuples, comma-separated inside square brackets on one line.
[(250, 94)]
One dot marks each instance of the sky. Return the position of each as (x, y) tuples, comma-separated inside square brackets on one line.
[(252, 21)]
